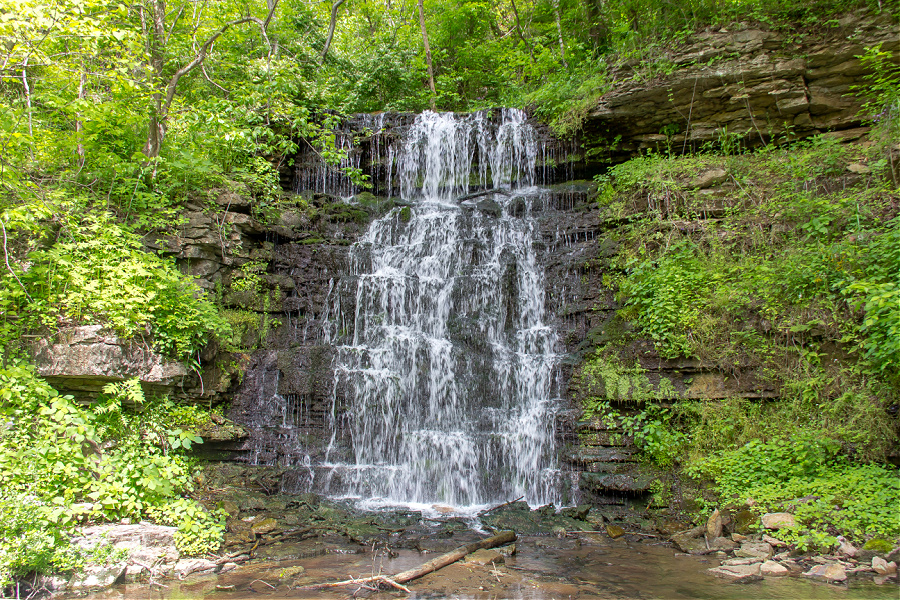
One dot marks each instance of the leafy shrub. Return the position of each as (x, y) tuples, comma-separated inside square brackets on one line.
[(806, 476), (119, 459), (98, 273), (665, 298)]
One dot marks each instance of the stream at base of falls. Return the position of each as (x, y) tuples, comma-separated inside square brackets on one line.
[(580, 566)]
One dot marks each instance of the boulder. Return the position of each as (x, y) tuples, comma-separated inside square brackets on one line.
[(691, 541), (827, 572), (193, 565), (714, 525), (755, 550), (722, 543), (614, 531), (709, 179), (883, 567), (82, 360), (97, 577), (778, 521), (770, 568)]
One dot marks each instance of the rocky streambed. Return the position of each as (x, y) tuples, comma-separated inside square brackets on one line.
[(279, 545)]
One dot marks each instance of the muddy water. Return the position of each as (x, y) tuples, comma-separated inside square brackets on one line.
[(589, 566)]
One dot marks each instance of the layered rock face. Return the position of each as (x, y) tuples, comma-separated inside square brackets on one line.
[(748, 84)]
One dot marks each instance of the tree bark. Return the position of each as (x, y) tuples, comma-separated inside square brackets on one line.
[(562, 44), (519, 29), (331, 25), (427, 53)]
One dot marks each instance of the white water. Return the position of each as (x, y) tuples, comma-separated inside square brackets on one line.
[(444, 362)]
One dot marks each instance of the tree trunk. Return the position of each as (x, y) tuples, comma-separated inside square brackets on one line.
[(331, 25), (562, 45), (427, 53)]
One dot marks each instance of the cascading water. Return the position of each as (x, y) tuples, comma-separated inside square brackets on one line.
[(443, 357)]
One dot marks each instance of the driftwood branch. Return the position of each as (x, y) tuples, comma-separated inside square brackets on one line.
[(490, 510), (501, 539)]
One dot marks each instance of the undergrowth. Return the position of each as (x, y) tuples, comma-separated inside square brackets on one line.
[(62, 463), (786, 276)]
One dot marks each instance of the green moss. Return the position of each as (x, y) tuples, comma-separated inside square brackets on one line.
[(405, 214), (880, 545)]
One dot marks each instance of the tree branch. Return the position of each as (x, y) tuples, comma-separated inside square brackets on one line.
[(331, 25), (204, 51)]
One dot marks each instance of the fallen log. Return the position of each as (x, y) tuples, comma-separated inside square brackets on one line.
[(501, 539)]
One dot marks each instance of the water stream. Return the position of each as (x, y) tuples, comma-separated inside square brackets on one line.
[(444, 358)]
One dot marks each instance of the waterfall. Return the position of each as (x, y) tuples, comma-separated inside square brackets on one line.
[(445, 366)]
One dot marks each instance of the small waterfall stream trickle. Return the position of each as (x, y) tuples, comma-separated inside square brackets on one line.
[(444, 360)]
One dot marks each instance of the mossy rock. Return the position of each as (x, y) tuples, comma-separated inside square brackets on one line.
[(405, 214), (746, 521), (879, 545)]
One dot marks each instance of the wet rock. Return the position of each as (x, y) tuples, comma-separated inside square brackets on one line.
[(614, 531), (292, 571), (714, 525), (229, 566), (722, 543), (778, 521), (188, 566), (770, 568), (737, 537), (737, 573), (97, 577), (691, 541), (485, 557), (292, 551), (524, 521), (883, 567), (267, 525), (754, 550), (579, 512), (745, 521), (829, 572)]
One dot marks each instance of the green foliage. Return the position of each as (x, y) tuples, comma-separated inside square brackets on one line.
[(200, 530), (120, 458), (662, 297), (96, 272), (805, 476), (28, 541), (606, 381)]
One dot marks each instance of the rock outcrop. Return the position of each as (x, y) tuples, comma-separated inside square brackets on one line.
[(743, 84)]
